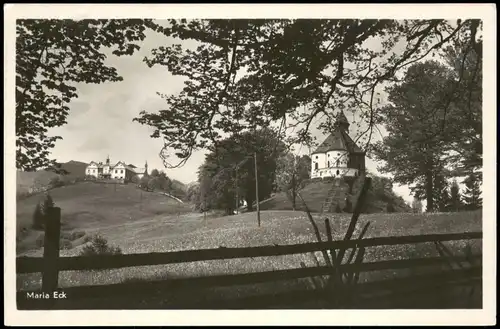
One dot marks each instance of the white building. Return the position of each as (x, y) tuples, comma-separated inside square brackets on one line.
[(338, 155), (119, 170)]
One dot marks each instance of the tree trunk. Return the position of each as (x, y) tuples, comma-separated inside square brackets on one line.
[(294, 193), (429, 191), (249, 204)]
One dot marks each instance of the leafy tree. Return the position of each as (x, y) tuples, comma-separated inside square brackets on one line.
[(252, 73), (415, 147), (441, 194), (466, 110), (416, 205), (144, 182), (472, 193), (231, 168), (164, 182), (291, 173), (152, 183), (52, 55), (193, 194), (455, 197), (155, 173)]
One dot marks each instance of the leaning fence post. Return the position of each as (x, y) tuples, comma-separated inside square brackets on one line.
[(51, 249)]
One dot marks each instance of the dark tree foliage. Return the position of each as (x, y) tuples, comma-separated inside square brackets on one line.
[(246, 73), (292, 172), (414, 149), (52, 56), (472, 194), (229, 169), (456, 203)]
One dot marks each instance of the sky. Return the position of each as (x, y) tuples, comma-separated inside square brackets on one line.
[(100, 120)]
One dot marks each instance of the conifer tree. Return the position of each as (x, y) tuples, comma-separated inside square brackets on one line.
[(472, 194), (455, 197)]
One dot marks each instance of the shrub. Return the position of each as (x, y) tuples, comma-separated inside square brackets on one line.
[(56, 182), (390, 208), (99, 246), (348, 205), (38, 217), (65, 244), (48, 202), (338, 209), (87, 238)]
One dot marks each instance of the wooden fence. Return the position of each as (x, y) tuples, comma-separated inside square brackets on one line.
[(51, 264)]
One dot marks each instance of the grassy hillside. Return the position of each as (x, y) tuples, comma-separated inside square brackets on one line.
[(315, 193), (90, 206), (27, 181)]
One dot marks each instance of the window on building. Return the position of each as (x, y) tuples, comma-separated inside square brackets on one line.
[(338, 172), (121, 171), (328, 163), (337, 163), (316, 157)]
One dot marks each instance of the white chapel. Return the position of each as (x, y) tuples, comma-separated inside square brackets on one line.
[(338, 155)]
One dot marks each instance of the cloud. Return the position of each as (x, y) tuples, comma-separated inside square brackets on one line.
[(95, 143)]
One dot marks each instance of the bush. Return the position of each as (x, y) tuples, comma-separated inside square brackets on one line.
[(65, 244), (390, 208), (99, 246), (56, 182), (348, 205), (38, 217), (338, 209)]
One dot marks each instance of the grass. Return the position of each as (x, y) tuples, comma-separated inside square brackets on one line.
[(155, 223), (170, 233), (89, 207), (314, 195)]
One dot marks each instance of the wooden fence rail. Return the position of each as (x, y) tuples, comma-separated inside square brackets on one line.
[(36, 264)]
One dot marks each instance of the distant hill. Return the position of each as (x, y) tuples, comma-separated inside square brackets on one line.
[(27, 182), (72, 168)]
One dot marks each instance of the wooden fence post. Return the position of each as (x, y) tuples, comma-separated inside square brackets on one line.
[(51, 249)]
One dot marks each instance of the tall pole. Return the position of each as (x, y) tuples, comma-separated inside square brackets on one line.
[(237, 194), (257, 189)]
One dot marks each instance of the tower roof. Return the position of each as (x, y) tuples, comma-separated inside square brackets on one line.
[(341, 121), (339, 140)]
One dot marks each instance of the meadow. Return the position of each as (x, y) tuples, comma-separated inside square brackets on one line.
[(143, 222)]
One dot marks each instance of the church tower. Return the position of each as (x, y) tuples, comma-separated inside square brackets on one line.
[(146, 169), (341, 122)]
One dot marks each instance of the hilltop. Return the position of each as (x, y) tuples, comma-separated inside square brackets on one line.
[(91, 206)]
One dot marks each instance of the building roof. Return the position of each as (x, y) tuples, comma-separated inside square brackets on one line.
[(339, 139), (130, 167)]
